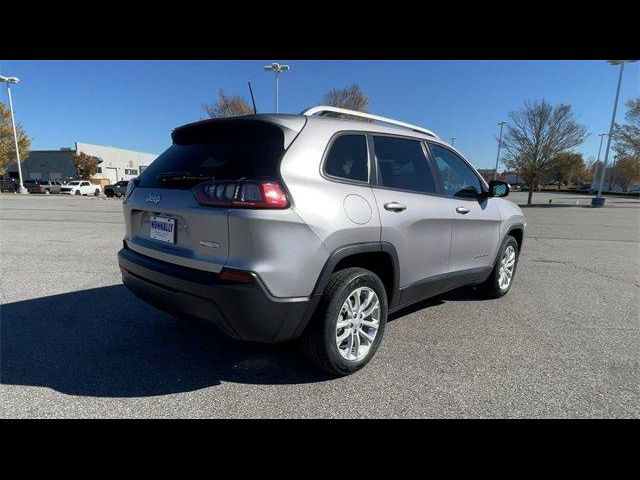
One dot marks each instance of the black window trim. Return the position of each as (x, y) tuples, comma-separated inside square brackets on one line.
[(483, 184), (347, 181), (427, 155)]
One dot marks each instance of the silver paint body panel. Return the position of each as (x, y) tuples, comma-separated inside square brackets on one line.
[(288, 248)]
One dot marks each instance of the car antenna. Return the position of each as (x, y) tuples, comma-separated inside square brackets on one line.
[(255, 110)]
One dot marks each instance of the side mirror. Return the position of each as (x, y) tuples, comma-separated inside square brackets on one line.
[(498, 188)]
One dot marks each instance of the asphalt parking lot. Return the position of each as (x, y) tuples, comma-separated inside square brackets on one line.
[(564, 343)]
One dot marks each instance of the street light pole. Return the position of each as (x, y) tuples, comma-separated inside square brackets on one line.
[(599, 201), (277, 69), (453, 139), (495, 172), (595, 173), (14, 80)]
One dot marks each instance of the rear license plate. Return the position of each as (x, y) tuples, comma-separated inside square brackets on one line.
[(163, 229)]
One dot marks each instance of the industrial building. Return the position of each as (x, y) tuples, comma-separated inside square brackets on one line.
[(114, 164)]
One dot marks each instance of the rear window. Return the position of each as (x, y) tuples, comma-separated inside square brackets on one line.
[(224, 150)]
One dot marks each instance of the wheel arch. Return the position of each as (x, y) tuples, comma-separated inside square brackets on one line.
[(379, 257)]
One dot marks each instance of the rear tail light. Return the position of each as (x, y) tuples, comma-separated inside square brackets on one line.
[(241, 194)]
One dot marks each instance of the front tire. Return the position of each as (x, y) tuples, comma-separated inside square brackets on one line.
[(78, 192), (349, 323), (96, 193), (499, 282)]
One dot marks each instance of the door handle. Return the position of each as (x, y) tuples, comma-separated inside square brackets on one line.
[(395, 207), (462, 210)]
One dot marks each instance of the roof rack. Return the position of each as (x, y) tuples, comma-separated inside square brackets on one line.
[(322, 109)]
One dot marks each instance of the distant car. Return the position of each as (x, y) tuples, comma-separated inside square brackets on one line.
[(515, 188), (42, 186), (554, 183), (8, 185), (81, 187), (117, 189), (525, 188)]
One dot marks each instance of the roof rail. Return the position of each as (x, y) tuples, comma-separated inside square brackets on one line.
[(321, 109)]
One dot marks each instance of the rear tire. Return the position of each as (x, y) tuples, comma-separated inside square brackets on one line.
[(504, 271), (47, 192), (96, 193), (339, 340)]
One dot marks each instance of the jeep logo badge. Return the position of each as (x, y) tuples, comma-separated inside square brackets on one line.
[(153, 198)]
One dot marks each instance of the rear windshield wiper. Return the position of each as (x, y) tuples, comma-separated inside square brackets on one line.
[(167, 177)]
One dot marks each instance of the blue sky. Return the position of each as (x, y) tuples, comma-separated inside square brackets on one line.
[(135, 104)]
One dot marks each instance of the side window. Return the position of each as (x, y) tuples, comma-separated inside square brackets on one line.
[(402, 164), (458, 180), (348, 158), (85, 184)]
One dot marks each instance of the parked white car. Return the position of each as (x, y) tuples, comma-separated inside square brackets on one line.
[(81, 187)]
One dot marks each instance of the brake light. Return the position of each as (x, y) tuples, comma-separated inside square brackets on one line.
[(241, 194)]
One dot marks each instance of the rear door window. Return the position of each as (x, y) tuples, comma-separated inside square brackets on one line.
[(403, 165)]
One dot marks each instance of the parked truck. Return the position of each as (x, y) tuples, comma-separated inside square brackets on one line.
[(81, 187), (43, 186), (117, 189)]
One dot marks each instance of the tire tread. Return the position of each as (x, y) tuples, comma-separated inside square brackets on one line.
[(312, 340)]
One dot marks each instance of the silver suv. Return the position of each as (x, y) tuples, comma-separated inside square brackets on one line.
[(314, 226)]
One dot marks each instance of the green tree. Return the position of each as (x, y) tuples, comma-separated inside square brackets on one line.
[(568, 168), (537, 133), (86, 165), (351, 98), (227, 106), (628, 171), (7, 144)]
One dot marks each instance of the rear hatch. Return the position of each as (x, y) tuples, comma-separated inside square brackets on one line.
[(163, 218)]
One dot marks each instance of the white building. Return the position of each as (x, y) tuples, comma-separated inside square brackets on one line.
[(114, 163), (117, 163)]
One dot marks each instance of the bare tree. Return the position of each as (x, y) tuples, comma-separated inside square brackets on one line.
[(536, 134), (351, 98), (227, 106), (626, 137)]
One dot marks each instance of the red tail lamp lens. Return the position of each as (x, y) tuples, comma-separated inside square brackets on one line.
[(265, 195)]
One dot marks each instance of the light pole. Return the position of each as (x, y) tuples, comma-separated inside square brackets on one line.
[(277, 69), (9, 80), (595, 172), (495, 172), (453, 139), (598, 201)]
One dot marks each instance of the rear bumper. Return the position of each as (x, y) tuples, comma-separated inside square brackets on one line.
[(244, 312)]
